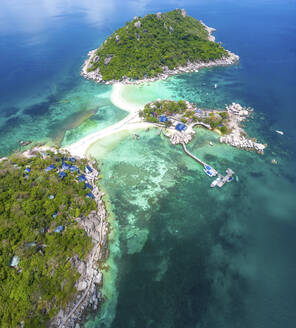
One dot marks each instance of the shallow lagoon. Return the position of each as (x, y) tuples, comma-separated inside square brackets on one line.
[(182, 254)]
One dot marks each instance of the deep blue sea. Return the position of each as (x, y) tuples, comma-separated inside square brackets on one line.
[(181, 254)]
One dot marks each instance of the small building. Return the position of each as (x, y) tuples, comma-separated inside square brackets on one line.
[(59, 229), (62, 175), (82, 178), (50, 168), (27, 169), (65, 166), (88, 169), (55, 214), (87, 185), (14, 261), (90, 195), (72, 159), (163, 119), (51, 196), (73, 168), (180, 127)]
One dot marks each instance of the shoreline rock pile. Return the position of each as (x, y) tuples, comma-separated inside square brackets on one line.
[(189, 68), (237, 138), (91, 278)]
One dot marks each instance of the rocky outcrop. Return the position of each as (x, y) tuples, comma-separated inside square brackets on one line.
[(107, 59), (96, 59), (183, 13), (88, 294), (190, 67), (242, 143), (158, 15), (137, 24), (210, 30), (91, 75), (237, 137), (181, 137)]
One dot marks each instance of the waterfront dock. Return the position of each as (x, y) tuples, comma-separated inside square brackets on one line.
[(221, 180)]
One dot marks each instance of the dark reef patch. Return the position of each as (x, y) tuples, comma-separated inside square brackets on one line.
[(41, 108)]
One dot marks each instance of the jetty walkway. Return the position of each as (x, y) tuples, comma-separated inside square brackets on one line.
[(192, 156), (221, 180)]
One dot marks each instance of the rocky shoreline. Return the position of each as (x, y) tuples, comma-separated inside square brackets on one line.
[(189, 68), (91, 279)]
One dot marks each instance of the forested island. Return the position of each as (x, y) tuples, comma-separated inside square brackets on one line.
[(156, 46), (51, 220)]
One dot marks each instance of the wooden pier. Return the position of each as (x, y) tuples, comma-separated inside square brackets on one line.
[(221, 180), (192, 156)]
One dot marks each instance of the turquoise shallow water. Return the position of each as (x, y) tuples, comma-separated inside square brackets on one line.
[(187, 255), (181, 254)]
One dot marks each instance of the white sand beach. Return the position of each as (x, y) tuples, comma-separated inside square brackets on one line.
[(130, 122)]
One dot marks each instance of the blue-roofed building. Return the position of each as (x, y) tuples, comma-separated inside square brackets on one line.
[(163, 119), (72, 159), (90, 195), (28, 170), (220, 125), (50, 168), (82, 178), (59, 229), (180, 127), (66, 166), (87, 185), (73, 168), (88, 169), (62, 175)]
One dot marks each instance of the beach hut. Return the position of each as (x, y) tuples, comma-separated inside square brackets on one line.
[(163, 119), (87, 185), (88, 169), (90, 195), (82, 178), (59, 229), (62, 175), (65, 166), (180, 127), (50, 168)]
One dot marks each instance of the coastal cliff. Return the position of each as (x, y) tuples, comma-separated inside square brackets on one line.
[(156, 47)]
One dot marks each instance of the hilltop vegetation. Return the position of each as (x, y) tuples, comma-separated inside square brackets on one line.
[(33, 203), (144, 46)]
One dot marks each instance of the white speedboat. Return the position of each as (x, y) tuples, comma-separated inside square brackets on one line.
[(279, 132)]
